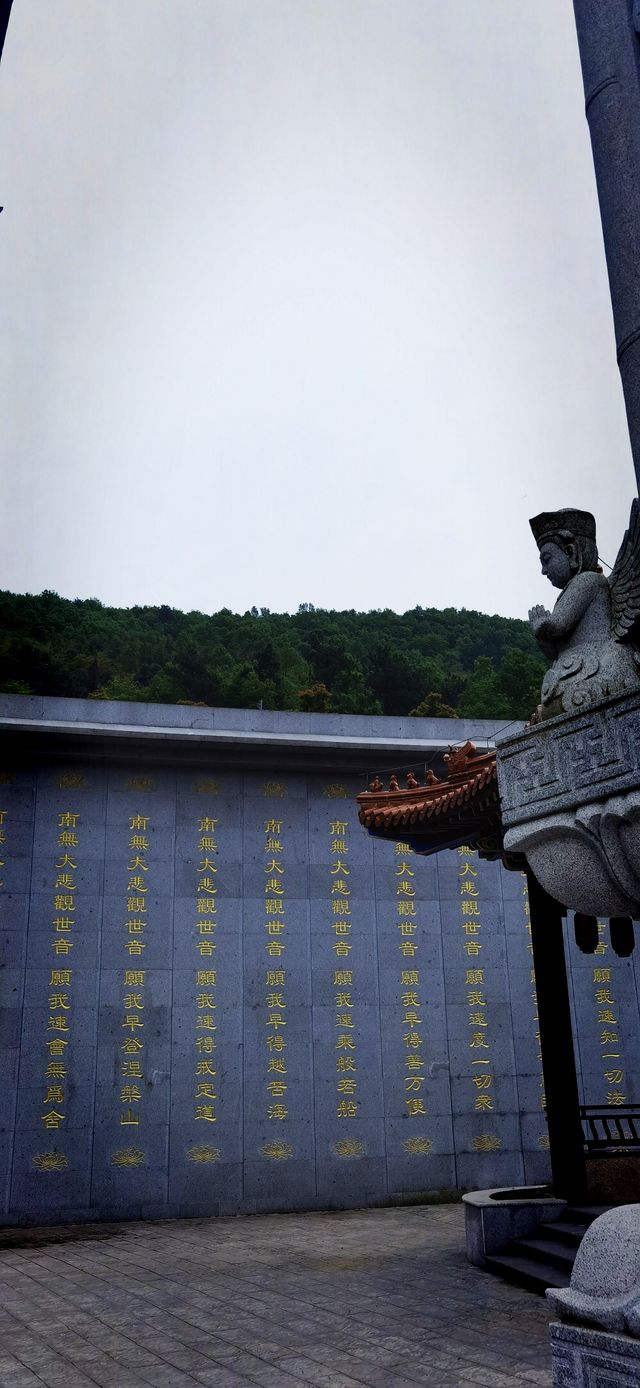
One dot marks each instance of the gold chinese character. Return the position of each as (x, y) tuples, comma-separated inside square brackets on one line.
[(414, 1107), (52, 1119), (130, 1094), (131, 1070), (129, 1119), (59, 1002), (54, 1095), (277, 1111), (137, 884), (274, 887), (339, 867), (340, 887)]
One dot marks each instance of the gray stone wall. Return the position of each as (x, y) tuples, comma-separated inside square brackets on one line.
[(220, 995)]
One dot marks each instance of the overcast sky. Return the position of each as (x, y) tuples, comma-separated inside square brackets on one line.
[(302, 301)]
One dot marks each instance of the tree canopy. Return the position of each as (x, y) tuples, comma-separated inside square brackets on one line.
[(424, 662)]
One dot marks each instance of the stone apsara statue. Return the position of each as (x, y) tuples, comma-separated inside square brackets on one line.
[(591, 637)]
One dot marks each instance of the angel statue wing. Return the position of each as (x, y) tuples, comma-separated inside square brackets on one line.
[(624, 581)]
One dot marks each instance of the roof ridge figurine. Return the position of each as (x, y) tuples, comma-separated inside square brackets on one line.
[(591, 637)]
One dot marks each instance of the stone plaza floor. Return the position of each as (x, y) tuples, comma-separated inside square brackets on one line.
[(383, 1298)]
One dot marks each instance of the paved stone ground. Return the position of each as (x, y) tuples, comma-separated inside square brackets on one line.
[(383, 1298)]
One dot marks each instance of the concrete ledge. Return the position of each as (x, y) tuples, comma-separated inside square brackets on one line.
[(491, 1224)]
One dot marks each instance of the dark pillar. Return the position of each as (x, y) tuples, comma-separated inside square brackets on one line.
[(5, 11), (610, 56), (556, 1044)]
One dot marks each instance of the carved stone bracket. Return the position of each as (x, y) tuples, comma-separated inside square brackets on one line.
[(570, 796)]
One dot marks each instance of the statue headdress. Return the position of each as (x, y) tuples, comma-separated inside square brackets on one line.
[(550, 523)]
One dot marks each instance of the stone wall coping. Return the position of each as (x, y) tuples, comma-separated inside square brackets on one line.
[(216, 735), (33, 709), (482, 1199), (36, 726)]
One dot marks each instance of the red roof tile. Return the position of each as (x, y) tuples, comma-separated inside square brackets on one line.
[(439, 810)]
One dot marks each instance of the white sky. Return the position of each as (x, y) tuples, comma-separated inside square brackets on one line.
[(303, 301)]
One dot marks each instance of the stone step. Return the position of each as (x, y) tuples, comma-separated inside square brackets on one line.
[(584, 1214), (544, 1250), (569, 1231), (536, 1277)]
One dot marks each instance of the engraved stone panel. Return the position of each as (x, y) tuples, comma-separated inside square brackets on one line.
[(220, 996)]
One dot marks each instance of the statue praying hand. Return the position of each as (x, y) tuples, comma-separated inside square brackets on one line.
[(591, 637)]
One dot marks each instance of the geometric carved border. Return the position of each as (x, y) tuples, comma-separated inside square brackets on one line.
[(584, 1358), (570, 761)]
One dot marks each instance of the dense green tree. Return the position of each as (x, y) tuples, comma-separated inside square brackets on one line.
[(433, 706), (482, 691), (520, 678), (317, 699), (372, 662)]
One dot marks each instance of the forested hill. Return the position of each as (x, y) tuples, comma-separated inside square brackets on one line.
[(423, 661)]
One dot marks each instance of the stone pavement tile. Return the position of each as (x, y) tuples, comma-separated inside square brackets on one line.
[(421, 1369), (217, 1376), (487, 1378), (311, 1372), (373, 1375), (251, 1331), (166, 1377), (346, 1297), (266, 1349), (432, 1377), (17, 1375), (20, 1378), (210, 1352), (335, 1346), (256, 1370)]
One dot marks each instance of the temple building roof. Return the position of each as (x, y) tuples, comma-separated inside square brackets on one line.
[(464, 808)]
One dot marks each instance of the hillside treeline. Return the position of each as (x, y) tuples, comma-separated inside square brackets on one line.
[(421, 662)]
